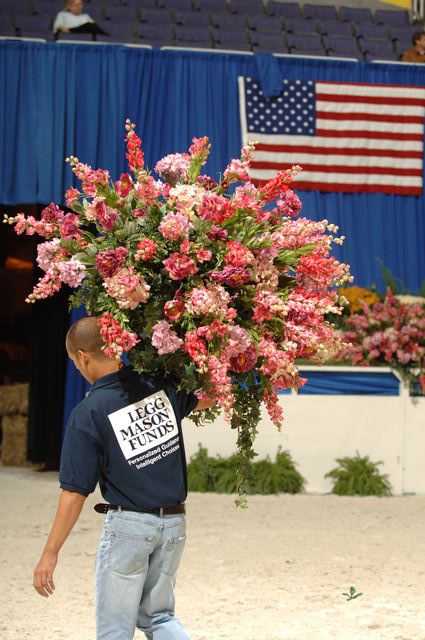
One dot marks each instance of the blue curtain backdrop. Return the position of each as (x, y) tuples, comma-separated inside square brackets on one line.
[(63, 99), (59, 100)]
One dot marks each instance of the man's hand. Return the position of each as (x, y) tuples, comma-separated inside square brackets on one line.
[(68, 511), (43, 574)]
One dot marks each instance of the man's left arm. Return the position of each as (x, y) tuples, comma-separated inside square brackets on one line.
[(67, 514)]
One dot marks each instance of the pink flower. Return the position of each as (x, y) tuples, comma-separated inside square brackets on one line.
[(173, 167), (289, 204), (175, 225), (164, 338), (71, 272), (52, 213), (238, 255), (244, 361), (232, 276), (179, 266), (203, 255), (47, 253), (69, 226), (267, 306), (134, 153), (145, 249), (110, 261), (196, 348), (117, 340), (217, 233), (71, 197), (105, 215), (124, 185), (173, 309), (47, 286), (275, 411), (215, 208), (186, 197), (185, 245), (148, 190), (279, 183), (239, 340), (209, 300), (91, 179), (128, 288), (200, 147)]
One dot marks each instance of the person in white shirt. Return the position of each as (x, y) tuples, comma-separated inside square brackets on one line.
[(72, 19)]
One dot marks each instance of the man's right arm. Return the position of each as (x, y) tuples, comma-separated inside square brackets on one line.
[(67, 514)]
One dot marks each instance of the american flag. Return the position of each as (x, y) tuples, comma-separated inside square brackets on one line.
[(351, 137)]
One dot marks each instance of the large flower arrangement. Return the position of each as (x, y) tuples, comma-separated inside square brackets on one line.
[(390, 331), (222, 289)]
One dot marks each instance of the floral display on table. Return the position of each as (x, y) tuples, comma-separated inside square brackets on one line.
[(217, 283), (388, 332)]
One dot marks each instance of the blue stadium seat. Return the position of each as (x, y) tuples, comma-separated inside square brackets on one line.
[(34, 26), (323, 12), (230, 38), (284, 9), (192, 34), (187, 18), (119, 32), (271, 24), (225, 21), (180, 5), (154, 14), (335, 28), (216, 6), (342, 47), (372, 31), (297, 25), (266, 41), (383, 49), (397, 18), (123, 13), (247, 6), (356, 14), (304, 43)]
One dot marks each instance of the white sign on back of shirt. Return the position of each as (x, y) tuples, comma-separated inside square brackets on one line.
[(146, 427)]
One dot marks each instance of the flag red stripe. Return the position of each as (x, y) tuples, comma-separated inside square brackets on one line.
[(299, 185), (379, 135), (358, 151), (335, 168), (330, 97), (332, 115)]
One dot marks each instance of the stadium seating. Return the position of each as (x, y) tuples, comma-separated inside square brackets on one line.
[(244, 25)]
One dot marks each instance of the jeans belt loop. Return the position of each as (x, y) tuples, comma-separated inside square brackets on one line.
[(161, 512)]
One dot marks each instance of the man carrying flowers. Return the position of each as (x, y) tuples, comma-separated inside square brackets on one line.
[(125, 435)]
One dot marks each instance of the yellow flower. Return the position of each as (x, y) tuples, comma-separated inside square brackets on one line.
[(357, 296)]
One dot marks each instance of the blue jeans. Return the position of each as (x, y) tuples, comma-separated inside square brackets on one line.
[(136, 566)]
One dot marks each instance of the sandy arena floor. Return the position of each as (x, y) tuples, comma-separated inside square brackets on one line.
[(275, 571)]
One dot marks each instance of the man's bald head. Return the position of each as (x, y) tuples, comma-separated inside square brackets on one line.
[(84, 335)]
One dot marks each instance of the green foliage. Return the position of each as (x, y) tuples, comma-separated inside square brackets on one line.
[(353, 594), (219, 475), (358, 476)]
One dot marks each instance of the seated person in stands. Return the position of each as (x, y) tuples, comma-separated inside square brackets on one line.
[(417, 54), (72, 20)]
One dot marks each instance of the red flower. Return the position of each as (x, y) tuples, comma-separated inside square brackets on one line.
[(179, 266)]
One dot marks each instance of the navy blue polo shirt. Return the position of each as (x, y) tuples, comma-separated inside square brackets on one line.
[(126, 435)]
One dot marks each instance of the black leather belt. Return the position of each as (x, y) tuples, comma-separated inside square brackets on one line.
[(104, 507)]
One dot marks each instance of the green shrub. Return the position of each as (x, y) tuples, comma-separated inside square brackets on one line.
[(358, 477), (208, 474)]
